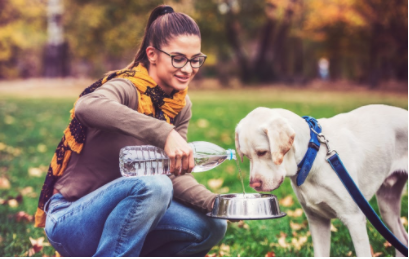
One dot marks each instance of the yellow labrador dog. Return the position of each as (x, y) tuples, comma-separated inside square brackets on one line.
[(372, 142)]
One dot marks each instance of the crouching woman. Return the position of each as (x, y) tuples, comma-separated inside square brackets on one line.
[(85, 205)]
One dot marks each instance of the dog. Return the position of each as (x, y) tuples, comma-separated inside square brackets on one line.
[(372, 142)]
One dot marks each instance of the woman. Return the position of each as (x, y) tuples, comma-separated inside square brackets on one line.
[(86, 207)]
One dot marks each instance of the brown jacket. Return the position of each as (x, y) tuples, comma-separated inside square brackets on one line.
[(111, 117)]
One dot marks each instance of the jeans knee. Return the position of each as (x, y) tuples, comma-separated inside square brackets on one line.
[(217, 230), (159, 188)]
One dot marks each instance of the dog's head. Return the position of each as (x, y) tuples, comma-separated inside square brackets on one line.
[(265, 137)]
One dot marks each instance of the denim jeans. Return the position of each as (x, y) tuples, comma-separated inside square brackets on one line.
[(130, 216)]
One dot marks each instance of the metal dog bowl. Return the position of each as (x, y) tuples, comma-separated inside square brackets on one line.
[(249, 206)]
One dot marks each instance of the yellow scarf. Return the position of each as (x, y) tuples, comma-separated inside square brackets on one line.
[(152, 101)]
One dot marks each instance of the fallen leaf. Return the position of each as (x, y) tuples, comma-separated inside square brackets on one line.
[(404, 221), (287, 201), (4, 183), (224, 190), (17, 152), (215, 183), (295, 226), (298, 212), (242, 224), (41, 148), (35, 172), (28, 191), (224, 250), (281, 240), (225, 137), (9, 119), (37, 243), (298, 243), (12, 203), (23, 216), (202, 123), (387, 244), (270, 254), (377, 254), (13, 151), (282, 243), (30, 252), (230, 169), (264, 243), (333, 228), (2, 146)]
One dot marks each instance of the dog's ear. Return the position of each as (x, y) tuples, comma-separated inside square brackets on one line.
[(236, 140), (281, 138)]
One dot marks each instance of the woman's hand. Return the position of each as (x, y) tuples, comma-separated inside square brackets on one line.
[(180, 154)]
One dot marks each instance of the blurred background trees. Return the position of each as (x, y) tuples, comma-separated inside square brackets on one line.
[(258, 41)]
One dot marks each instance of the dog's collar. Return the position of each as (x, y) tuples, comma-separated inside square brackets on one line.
[(305, 165)]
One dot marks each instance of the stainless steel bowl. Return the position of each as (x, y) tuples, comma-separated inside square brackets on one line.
[(248, 206)]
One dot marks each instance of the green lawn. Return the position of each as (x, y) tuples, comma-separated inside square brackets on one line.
[(30, 129)]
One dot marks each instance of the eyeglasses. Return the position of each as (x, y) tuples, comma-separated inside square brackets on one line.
[(179, 61)]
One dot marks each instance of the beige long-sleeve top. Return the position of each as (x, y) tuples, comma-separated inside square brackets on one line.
[(112, 121)]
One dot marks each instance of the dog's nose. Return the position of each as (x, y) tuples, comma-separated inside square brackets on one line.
[(255, 183)]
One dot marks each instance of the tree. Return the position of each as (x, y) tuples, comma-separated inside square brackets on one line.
[(22, 35), (56, 60)]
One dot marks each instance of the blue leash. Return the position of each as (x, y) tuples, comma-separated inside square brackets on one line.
[(339, 168)]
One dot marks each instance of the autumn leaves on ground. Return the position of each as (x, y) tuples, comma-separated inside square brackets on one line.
[(30, 129)]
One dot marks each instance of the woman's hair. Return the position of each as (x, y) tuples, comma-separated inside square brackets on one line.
[(163, 25)]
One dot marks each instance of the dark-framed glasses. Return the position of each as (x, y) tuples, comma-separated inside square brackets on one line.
[(179, 61)]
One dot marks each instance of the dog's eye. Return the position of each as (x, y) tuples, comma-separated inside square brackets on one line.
[(261, 153)]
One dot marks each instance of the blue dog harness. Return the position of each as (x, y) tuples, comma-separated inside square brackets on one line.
[(333, 159)]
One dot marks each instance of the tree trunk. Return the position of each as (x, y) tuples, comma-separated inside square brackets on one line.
[(280, 58), (374, 73), (55, 58), (233, 32), (263, 60)]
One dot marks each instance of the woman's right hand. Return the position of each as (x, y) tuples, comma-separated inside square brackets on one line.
[(180, 154)]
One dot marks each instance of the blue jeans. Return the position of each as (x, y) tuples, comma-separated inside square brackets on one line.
[(130, 216)]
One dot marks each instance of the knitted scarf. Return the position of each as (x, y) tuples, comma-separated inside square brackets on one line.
[(152, 101)]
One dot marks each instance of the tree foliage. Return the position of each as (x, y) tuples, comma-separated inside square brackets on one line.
[(22, 34), (259, 41)]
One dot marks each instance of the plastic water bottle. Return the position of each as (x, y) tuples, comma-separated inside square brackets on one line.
[(151, 160)]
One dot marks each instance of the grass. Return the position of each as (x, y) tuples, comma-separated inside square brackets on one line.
[(31, 128)]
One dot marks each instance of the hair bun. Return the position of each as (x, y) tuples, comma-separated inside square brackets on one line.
[(166, 9)]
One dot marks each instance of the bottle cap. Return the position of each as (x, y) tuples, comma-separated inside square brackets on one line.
[(231, 154)]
